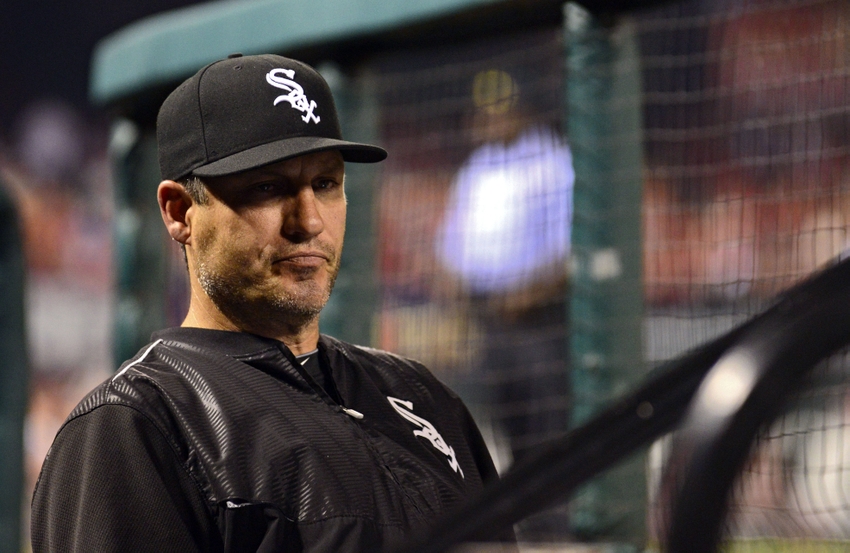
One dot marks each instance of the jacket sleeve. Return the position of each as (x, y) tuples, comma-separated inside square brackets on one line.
[(112, 483)]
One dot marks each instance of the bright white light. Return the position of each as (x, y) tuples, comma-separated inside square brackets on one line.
[(727, 385), (605, 264)]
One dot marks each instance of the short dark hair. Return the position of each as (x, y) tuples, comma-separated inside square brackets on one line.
[(196, 189)]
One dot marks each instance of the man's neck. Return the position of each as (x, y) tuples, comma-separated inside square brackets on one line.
[(300, 339)]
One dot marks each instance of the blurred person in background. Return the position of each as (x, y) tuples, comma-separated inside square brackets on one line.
[(505, 240)]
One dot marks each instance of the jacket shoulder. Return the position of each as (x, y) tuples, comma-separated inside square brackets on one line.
[(379, 360), (395, 374), (146, 384), (124, 388)]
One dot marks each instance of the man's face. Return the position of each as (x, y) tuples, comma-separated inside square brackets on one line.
[(267, 244)]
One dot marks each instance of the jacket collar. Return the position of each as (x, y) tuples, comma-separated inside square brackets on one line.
[(261, 353), (232, 344)]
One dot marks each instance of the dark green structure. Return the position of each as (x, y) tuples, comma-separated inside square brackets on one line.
[(604, 126), (13, 375)]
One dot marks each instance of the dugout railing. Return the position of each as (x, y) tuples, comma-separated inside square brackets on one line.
[(717, 397), (746, 390)]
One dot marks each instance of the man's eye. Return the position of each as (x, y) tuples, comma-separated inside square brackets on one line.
[(265, 187), (325, 184)]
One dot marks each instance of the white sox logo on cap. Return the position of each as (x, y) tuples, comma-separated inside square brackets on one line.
[(217, 122), (296, 97)]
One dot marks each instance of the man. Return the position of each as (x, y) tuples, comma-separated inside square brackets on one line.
[(505, 239), (246, 429)]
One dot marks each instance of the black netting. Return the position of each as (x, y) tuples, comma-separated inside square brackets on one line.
[(745, 108)]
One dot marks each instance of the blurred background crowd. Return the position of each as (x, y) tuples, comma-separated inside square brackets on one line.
[(54, 165)]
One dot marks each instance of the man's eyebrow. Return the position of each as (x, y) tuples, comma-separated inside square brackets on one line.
[(332, 165)]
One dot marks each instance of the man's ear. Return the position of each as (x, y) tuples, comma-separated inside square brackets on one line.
[(174, 205)]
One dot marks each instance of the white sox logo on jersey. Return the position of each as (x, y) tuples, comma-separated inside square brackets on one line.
[(282, 78), (426, 430)]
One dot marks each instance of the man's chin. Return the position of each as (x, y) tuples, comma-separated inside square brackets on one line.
[(302, 302), (273, 317), (288, 300), (301, 306)]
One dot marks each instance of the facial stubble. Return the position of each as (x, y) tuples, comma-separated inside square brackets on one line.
[(256, 303)]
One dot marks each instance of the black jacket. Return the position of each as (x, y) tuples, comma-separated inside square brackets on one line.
[(217, 441)]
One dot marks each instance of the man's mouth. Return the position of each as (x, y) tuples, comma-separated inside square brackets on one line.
[(304, 260)]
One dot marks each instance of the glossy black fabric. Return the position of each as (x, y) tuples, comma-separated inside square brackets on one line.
[(217, 441)]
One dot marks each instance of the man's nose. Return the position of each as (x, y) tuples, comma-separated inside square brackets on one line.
[(302, 220)]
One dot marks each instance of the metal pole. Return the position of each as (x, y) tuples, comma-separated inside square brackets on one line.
[(604, 129), (14, 375)]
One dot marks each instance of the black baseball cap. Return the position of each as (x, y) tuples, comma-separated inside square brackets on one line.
[(244, 112)]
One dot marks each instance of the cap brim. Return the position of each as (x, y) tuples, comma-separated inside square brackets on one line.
[(281, 150)]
